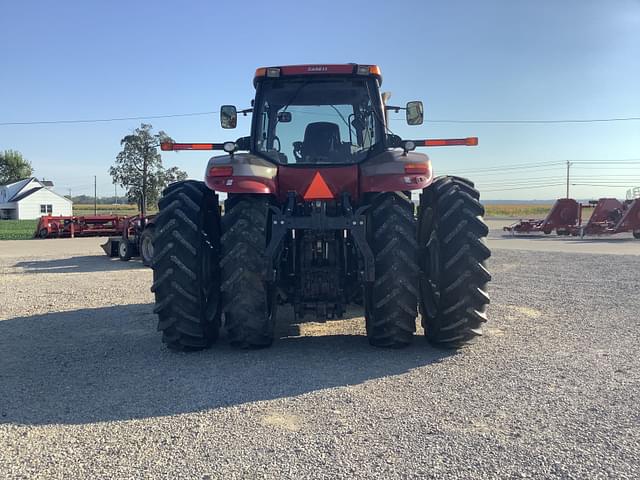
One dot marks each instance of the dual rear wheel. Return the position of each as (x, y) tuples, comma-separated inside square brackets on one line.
[(436, 262)]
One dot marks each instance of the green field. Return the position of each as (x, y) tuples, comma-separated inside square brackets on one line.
[(17, 229), (517, 210), (84, 209)]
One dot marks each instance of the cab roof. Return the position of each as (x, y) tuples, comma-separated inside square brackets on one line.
[(317, 69)]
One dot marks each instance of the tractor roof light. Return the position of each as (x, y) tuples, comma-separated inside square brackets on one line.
[(375, 70), (368, 70), (273, 72)]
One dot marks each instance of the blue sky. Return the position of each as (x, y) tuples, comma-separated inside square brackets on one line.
[(510, 59)]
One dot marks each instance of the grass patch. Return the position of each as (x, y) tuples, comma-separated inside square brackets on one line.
[(17, 229), (524, 210), (84, 209)]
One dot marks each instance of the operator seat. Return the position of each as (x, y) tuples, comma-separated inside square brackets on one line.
[(321, 142)]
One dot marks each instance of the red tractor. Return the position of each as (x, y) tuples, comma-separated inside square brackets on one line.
[(319, 215)]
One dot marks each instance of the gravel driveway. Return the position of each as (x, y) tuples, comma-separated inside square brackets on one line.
[(88, 391)]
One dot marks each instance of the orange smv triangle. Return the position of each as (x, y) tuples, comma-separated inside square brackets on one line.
[(318, 190)]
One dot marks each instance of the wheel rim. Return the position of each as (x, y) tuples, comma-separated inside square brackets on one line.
[(122, 249), (147, 248)]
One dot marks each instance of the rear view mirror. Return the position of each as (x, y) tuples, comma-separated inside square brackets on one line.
[(284, 117), (228, 116), (415, 113)]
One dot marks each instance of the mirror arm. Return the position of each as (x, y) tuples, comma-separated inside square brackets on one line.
[(395, 109), (245, 111)]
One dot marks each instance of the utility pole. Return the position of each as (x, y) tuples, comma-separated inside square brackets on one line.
[(143, 206), (568, 166), (95, 196)]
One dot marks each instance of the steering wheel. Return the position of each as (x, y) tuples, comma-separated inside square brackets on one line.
[(276, 139)]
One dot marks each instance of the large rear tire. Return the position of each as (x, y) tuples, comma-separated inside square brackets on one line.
[(248, 299), (186, 279), (391, 300), (451, 235)]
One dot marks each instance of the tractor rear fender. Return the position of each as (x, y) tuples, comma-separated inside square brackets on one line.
[(394, 171), (241, 173)]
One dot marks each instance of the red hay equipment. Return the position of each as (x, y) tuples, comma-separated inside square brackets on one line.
[(51, 226), (128, 236), (564, 214), (610, 216)]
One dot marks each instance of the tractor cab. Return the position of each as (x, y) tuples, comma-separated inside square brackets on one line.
[(318, 114)]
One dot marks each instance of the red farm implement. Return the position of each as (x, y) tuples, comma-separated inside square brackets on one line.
[(609, 216), (128, 236), (565, 214), (79, 226)]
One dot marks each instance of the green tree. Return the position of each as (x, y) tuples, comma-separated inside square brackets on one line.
[(139, 169), (13, 167)]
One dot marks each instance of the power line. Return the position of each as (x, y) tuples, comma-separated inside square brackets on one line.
[(546, 121), (498, 174), (524, 188), (597, 167), (627, 185), (624, 185), (522, 166), (484, 186), (552, 180), (102, 120), (458, 121), (558, 163)]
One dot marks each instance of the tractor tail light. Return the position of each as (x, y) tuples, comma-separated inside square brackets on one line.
[(416, 168), (225, 171)]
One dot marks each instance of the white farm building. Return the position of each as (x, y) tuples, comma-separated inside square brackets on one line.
[(31, 198)]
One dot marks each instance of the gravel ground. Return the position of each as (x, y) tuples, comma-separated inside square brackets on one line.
[(88, 391)]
